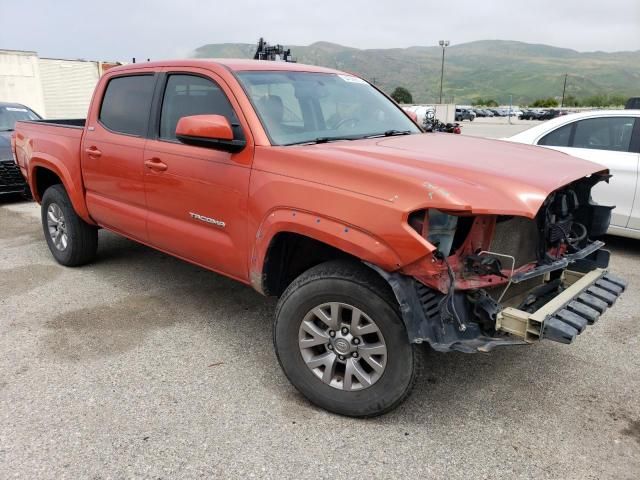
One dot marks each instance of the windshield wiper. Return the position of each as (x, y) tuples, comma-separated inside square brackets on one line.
[(389, 133), (321, 140)]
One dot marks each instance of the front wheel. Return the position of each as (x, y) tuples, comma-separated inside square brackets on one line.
[(341, 342), (71, 240)]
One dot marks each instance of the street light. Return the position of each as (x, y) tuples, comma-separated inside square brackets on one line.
[(444, 44)]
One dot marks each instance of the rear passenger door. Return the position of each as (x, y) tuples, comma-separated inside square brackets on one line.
[(607, 141), (197, 200), (112, 153)]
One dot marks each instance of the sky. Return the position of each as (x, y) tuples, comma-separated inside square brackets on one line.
[(161, 29)]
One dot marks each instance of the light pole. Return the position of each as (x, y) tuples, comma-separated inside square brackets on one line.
[(444, 44), (564, 89)]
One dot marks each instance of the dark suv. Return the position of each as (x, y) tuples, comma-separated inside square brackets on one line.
[(464, 114), (11, 180)]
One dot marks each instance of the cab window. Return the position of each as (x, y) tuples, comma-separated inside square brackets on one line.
[(187, 95), (126, 104)]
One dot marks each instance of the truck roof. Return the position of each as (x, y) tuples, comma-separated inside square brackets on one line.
[(235, 64)]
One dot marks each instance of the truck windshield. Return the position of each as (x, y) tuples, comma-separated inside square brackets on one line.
[(10, 115), (305, 107)]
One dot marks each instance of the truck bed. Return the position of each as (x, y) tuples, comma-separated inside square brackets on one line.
[(62, 122), (53, 144)]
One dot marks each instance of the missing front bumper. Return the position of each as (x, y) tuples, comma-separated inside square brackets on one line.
[(585, 298)]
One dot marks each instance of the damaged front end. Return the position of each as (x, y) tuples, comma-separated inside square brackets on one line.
[(505, 280)]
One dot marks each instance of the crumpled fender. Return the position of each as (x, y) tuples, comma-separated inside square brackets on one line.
[(345, 237)]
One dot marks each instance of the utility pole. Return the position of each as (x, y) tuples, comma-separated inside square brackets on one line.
[(444, 44), (510, 107), (564, 89)]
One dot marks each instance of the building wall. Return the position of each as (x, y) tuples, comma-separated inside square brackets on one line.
[(20, 80), (54, 88), (67, 86)]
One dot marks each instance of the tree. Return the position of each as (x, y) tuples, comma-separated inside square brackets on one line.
[(545, 102), (484, 102), (402, 95), (571, 101)]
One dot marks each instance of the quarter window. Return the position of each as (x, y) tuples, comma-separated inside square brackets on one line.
[(126, 104), (558, 138), (187, 95)]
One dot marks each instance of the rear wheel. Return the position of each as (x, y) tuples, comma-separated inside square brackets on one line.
[(341, 342), (71, 240)]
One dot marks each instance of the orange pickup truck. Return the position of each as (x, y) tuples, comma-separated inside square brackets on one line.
[(311, 185)]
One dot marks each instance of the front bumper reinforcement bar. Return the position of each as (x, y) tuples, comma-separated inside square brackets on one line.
[(586, 297)]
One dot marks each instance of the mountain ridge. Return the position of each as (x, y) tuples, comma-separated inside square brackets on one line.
[(494, 69)]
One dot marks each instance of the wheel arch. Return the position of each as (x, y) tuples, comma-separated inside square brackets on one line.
[(290, 242), (45, 172)]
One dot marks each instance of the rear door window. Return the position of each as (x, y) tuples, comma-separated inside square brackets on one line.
[(126, 104), (606, 133)]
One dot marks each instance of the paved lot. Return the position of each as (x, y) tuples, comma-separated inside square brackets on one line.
[(496, 127), (141, 365)]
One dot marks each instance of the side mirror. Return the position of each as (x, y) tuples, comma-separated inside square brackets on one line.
[(209, 131)]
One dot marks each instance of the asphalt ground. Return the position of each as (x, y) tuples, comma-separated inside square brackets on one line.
[(143, 366)]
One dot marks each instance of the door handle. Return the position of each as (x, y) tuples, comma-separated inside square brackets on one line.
[(155, 164), (93, 152)]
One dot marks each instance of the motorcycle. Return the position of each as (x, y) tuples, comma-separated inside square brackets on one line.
[(432, 124)]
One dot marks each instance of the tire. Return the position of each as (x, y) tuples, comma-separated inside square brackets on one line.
[(71, 240), (353, 286)]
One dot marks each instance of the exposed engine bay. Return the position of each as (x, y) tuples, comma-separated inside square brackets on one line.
[(502, 280)]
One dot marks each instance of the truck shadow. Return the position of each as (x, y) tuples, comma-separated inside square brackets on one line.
[(13, 198), (622, 245), (512, 381)]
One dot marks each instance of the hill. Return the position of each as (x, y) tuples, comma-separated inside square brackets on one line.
[(488, 69)]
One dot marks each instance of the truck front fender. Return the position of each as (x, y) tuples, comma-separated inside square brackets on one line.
[(347, 238)]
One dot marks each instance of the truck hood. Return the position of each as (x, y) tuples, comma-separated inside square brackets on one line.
[(437, 170)]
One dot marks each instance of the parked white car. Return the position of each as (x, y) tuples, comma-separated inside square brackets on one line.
[(610, 138)]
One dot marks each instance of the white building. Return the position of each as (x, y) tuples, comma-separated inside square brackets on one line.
[(54, 88)]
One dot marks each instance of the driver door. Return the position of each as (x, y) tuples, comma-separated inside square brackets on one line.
[(197, 196)]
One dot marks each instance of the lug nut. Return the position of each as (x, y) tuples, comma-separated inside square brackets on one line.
[(341, 357), (345, 330), (332, 333), (354, 354), (356, 341), (330, 347)]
